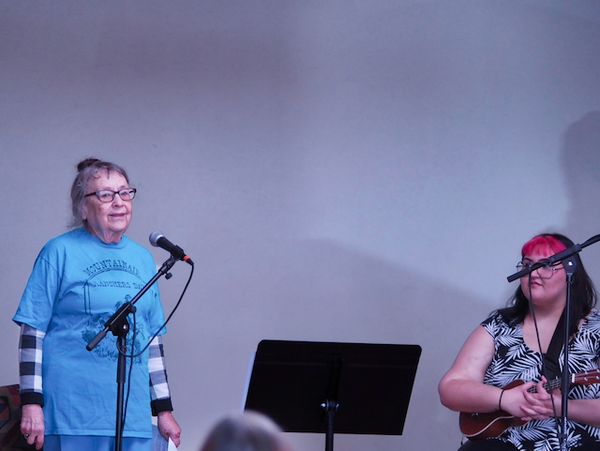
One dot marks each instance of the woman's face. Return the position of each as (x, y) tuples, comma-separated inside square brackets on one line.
[(548, 285), (108, 221)]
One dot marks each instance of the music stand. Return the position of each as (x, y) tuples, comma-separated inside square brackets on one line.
[(304, 385)]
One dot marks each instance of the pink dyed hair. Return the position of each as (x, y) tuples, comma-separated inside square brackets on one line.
[(543, 243)]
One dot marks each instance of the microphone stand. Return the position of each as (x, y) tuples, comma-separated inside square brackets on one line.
[(119, 326), (570, 265)]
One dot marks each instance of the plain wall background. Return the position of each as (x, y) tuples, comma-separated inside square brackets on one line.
[(359, 171)]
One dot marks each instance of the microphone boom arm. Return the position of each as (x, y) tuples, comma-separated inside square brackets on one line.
[(552, 260), (114, 323)]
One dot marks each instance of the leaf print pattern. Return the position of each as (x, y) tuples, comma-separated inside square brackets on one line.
[(513, 360)]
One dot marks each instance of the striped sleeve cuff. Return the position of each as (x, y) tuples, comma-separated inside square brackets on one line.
[(159, 387), (161, 405), (30, 365)]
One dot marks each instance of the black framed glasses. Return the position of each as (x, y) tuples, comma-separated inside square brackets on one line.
[(106, 195), (546, 271)]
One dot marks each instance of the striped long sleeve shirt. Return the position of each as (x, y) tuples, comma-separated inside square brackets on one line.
[(30, 371)]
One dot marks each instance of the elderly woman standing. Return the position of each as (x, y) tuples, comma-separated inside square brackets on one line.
[(78, 281)]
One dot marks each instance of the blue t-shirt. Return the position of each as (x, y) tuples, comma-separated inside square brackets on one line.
[(77, 283)]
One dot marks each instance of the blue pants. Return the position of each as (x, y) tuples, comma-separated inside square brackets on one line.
[(93, 443)]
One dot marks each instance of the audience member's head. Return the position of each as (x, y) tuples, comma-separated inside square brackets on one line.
[(250, 431)]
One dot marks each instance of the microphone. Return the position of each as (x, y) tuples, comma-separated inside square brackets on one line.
[(157, 239), (564, 256)]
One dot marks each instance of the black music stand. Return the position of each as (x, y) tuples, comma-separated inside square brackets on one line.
[(304, 386)]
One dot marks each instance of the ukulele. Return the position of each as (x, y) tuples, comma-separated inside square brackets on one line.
[(479, 426)]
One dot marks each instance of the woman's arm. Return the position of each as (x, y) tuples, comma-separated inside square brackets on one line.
[(159, 386), (30, 365), (160, 393), (462, 388), (30, 385), (586, 411)]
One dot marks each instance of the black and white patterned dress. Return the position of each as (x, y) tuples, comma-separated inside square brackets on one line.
[(514, 360)]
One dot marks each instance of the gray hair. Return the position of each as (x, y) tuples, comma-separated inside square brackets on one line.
[(250, 431), (86, 170)]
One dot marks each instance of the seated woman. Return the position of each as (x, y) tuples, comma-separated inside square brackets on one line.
[(510, 345)]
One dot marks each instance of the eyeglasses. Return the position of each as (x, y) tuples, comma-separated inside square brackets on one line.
[(546, 271), (106, 195)]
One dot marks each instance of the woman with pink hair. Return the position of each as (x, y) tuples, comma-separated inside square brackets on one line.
[(503, 379)]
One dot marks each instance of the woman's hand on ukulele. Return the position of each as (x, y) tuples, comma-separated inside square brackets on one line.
[(540, 404), (514, 399)]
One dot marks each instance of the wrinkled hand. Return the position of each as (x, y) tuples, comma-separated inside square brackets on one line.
[(32, 424), (541, 404), (169, 428)]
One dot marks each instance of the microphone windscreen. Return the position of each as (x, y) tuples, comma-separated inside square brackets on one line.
[(154, 237)]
